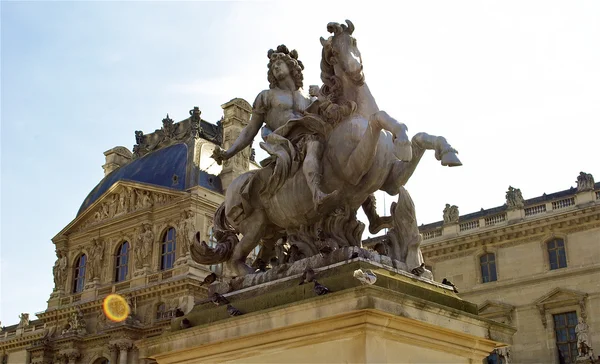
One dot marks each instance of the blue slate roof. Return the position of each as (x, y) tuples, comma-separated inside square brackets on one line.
[(156, 168)]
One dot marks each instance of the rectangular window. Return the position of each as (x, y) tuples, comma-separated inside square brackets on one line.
[(566, 339), (556, 254), (488, 268)]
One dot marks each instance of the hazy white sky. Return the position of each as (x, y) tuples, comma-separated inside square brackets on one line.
[(513, 85)]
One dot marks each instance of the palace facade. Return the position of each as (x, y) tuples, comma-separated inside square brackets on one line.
[(131, 236)]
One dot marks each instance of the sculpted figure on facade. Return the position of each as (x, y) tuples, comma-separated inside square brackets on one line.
[(75, 324), (187, 230), (582, 331), (96, 254), (327, 155), (451, 214), (143, 246), (60, 269), (23, 320), (514, 198), (585, 182)]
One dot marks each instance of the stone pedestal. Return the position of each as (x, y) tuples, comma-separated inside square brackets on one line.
[(401, 318)]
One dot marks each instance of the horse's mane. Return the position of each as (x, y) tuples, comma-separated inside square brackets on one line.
[(333, 107)]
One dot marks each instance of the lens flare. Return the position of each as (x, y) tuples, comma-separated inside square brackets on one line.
[(115, 307)]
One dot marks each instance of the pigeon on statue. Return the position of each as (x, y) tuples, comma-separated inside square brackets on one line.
[(320, 289), (418, 270), (307, 277), (185, 324), (232, 311), (219, 300), (448, 283), (178, 312), (209, 279), (365, 277), (380, 248), (354, 255), (260, 265)]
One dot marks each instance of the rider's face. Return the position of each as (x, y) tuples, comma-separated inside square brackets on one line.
[(280, 69)]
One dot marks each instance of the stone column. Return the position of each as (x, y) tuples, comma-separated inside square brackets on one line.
[(114, 353), (134, 357), (124, 347)]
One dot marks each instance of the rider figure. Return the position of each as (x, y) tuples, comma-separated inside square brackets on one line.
[(276, 107)]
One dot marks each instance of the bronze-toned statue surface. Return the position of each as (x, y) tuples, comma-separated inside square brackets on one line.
[(327, 155)]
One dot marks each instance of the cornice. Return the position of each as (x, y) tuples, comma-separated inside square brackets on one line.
[(514, 234), (484, 288)]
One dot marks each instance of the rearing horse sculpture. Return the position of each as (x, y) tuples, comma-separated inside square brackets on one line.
[(364, 152)]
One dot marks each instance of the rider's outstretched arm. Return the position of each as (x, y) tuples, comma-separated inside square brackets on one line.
[(246, 136)]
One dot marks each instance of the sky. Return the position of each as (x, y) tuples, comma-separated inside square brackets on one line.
[(512, 85)]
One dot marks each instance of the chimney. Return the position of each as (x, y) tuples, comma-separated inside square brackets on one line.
[(236, 114), (116, 158)]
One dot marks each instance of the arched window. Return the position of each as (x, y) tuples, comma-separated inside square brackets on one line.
[(167, 250), (212, 242), (556, 254), (79, 274), (121, 262), (488, 267)]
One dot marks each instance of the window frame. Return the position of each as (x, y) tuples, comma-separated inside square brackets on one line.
[(79, 271), (119, 265), (168, 256), (553, 253), (572, 344), (487, 266)]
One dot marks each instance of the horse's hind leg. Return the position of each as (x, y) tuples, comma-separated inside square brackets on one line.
[(253, 229)]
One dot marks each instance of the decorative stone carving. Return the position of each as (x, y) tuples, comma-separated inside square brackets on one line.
[(583, 340), (75, 324), (60, 269), (290, 196), (101, 321), (96, 257), (143, 246), (187, 230), (585, 182), (195, 128), (126, 200), (23, 320), (451, 214), (514, 198), (503, 354)]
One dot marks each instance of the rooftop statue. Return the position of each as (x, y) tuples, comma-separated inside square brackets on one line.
[(327, 156)]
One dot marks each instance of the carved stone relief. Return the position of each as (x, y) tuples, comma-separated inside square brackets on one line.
[(451, 214), (143, 246), (585, 182), (514, 198), (125, 200), (187, 230), (96, 257)]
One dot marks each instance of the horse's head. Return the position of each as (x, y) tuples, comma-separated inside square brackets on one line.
[(340, 53)]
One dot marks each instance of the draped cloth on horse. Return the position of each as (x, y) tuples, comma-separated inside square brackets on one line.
[(286, 147)]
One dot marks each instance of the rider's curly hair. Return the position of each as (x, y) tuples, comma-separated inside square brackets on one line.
[(291, 59)]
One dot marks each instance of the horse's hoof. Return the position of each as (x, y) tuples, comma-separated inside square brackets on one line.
[(403, 150), (450, 159)]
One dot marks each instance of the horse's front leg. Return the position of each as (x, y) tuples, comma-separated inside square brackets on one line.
[(443, 150), (402, 145)]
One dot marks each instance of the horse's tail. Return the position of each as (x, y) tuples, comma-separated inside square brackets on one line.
[(226, 240)]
